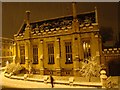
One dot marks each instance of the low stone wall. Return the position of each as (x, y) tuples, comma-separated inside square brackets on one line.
[(86, 79), (72, 81)]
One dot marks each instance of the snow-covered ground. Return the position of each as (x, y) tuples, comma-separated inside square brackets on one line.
[(29, 84)]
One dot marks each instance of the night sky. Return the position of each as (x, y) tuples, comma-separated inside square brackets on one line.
[(13, 14)]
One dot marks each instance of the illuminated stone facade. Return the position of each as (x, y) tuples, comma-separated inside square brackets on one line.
[(58, 46), (6, 50)]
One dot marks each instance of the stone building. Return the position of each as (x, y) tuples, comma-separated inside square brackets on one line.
[(6, 50), (111, 59), (58, 46)]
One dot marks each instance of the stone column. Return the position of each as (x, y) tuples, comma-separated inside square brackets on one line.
[(41, 57), (57, 57)]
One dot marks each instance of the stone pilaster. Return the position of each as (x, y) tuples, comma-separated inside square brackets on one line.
[(57, 56), (14, 53), (17, 53), (76, 63), (41, 57), (75, 42), (28, 54), (96, 46), (75, 52)]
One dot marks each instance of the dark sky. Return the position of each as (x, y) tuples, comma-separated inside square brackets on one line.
[(0, 18), (13, 14)]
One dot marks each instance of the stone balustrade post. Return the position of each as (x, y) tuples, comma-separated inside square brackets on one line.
[(103, 78), (71, 80)]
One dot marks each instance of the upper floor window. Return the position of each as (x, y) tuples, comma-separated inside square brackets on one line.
[(86, 50), (7, 53), (3, 54), (22, 54), (50, 53), (35, 54), (4, 46), (11, 53), (0, 53), (68, 51)]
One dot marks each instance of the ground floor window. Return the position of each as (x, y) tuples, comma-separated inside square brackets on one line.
[(51, 53), (68, 52), (35, 54), (86, 50), (22, 54)]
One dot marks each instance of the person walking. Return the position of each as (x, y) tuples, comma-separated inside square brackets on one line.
[(51, 81)]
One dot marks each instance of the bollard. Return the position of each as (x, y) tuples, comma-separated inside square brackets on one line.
[(25, 76), (71, 80)]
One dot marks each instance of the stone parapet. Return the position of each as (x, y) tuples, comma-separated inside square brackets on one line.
[(111, 51)]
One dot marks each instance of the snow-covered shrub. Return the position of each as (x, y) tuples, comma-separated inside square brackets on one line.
[(10, 68), (14, 68), (17, 69), (90, 68)]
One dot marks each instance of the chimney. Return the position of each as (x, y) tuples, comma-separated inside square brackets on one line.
[(74, 10), (27, 17), (96, 14), (75, 20)]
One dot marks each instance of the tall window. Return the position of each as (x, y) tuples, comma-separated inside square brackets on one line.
[(51, 53), (22, 54), (35, 54), (86, 49), (68, 49)]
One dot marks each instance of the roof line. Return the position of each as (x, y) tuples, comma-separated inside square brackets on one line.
[(20, 28), (60, 17)]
